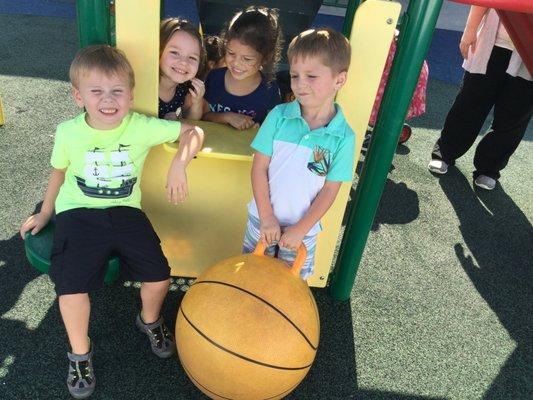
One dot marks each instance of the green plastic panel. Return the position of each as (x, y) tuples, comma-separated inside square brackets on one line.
[(39, 248)]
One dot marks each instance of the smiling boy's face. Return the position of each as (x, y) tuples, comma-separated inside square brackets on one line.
[(106, 98)]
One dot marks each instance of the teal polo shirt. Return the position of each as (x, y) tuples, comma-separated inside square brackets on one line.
[(301, 160)]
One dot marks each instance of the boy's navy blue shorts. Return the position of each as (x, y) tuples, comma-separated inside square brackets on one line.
[(86, 238)]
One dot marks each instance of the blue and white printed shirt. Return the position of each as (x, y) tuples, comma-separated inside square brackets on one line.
[(301, 160)]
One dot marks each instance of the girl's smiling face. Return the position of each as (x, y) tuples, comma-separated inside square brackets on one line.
[(180, 59), (242, 60)]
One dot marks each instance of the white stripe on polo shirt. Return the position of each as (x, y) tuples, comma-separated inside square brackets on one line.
[(302, 160)]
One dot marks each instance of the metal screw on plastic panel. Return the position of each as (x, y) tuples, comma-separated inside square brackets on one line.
[(389, 21), (322, 278)]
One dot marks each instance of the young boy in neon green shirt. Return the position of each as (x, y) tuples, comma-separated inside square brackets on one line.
[(94, 187)]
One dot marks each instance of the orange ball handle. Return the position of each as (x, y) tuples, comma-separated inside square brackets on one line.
[(299, 261)]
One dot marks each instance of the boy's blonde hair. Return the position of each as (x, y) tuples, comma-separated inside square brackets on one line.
[(104, 58), (328, 44)]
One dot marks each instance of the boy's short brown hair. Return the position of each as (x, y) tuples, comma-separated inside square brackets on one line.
[(328, 44), (103, 58)]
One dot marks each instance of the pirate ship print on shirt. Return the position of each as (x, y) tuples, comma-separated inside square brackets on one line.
[(108, 174)]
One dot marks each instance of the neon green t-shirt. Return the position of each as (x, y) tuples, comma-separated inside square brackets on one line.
[(104, 167)]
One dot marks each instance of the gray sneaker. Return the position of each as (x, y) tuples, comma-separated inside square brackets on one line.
[(485, 182), (438, 166), (80, 379), (161, 339)]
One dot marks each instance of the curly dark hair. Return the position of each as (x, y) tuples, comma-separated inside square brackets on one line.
[(214, 48), (258, 27)]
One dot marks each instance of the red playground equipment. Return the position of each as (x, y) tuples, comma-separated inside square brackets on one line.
[(517, 16)]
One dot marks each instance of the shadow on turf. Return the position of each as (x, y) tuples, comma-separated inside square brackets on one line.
[(499, 238), (48, 45), (28, 354), (398, 205), (33, 362)]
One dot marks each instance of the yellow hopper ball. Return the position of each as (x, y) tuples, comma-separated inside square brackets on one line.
[(248, 328)]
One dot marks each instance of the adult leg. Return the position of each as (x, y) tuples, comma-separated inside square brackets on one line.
[(470, 109), (512, 113)]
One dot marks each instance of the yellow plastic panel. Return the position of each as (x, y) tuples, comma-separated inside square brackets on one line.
[(371, 36), (209, 225), (223, 142), (137, 29)]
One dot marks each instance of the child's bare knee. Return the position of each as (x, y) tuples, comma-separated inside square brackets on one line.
[(157, 286), (73, 299)]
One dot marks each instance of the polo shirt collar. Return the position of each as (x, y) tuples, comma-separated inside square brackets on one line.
[(335, 127)]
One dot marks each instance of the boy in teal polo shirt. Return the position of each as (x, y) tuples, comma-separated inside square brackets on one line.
[(94, 187), (304, 150)]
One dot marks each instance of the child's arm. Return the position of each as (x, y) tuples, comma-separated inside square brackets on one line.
[(38, 221), (293, 235), (469, 38), (190, 142), (194, 100), (269, 225)]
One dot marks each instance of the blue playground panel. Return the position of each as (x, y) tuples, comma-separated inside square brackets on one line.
[(43, 8)]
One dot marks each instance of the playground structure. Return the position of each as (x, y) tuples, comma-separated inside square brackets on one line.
[(517, 16), (209, 226), (417, 26), (219, 177)]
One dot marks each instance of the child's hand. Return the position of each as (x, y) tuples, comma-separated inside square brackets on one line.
[(171, 116), (270, 230), (239, 121), (177, 189), (197, 90), (291, 238), (34, 224)]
